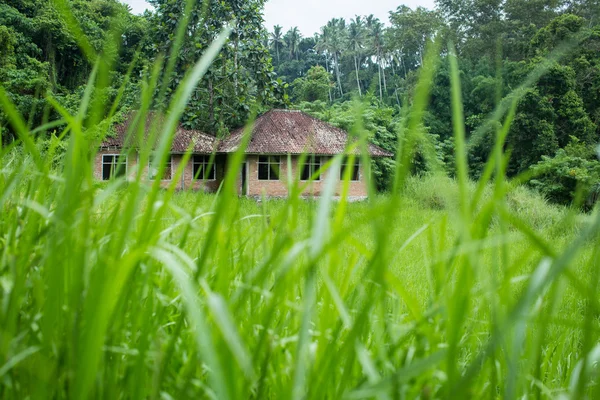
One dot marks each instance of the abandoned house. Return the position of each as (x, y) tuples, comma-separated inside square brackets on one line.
[(275, 136)]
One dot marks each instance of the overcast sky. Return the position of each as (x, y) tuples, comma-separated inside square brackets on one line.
[(310, 15)]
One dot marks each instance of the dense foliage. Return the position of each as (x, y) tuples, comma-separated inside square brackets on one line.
[(500, 44), (573, 173), (40, 57), (240, 78)]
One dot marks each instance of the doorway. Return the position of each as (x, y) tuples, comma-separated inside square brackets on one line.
[(244, 178)]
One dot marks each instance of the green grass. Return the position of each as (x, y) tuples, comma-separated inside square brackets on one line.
[(439, 289), (76, 307)]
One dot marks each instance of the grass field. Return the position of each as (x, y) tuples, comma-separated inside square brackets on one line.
[(292, 298)]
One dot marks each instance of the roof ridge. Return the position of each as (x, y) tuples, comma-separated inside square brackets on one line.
[(291, 110)]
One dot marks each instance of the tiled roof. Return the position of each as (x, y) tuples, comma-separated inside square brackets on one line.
[(293, 132), (275, 132), (203, 143)]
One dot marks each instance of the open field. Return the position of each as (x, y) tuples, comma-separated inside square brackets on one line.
[(137, 292)]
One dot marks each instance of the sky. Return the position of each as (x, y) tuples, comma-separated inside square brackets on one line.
[(310, 15)]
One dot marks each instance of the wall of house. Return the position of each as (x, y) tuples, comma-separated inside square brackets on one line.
[(255, 186), (186, 181), (132, 161), (207, 185), (279, 188)]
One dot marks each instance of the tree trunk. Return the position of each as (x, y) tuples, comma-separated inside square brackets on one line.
[(357, 80), (337, 73), (211, 109), (235, 66), (220, 107), (51, 58), (327, 69), (379, 72), (277, 51), (384, 81), (403, 65)]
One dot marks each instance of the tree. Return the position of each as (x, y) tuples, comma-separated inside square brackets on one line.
[(314, 87), (322, 46), (338, 37), (478, 20), (376, 36), (587, 9), (7, 47), (532, 12), (241, 76), (582, 70), (292, 41), (276, 40), (356, 41), (532, 134), (571, 172), (39, 56), (409, 33)]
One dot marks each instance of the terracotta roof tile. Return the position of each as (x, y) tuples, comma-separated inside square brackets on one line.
[(275, 132), (293, 132), (203, 143)]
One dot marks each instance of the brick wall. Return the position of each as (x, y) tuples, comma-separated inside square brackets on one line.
[(186, 181), (279, 188), (256, 187), (208, 185), (132, 161)]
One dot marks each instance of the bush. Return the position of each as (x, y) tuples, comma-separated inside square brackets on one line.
[(572, 174), (315, 86)]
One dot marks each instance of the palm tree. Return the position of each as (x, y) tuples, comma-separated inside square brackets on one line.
[(375, 28), (292, 41), (322, 46), (370, 21), (356, 42), (338, 39), (276, 39)]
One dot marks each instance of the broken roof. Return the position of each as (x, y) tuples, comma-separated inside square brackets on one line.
[(275, 132)]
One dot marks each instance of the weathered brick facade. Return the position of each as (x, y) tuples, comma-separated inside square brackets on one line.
[(132, 163), (186, 181), (255, 186), (206, 185), (279, 188)]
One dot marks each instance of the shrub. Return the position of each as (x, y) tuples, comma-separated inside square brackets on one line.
[(572, 174)]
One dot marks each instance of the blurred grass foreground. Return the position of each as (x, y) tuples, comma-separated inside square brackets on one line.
[(442, 288)]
